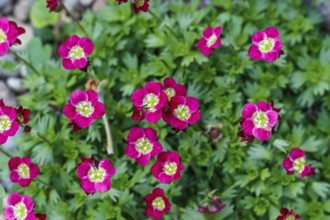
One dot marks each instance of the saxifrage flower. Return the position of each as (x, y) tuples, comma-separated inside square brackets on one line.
[(9, 32), (95, 175), (172, 88), (140, 5), (75, 52), (157, 204), (121, 1), (22, 170), (19, 208), (54, 5), (296, 163), (168, 167), (210, 40), (266, 45), (142, 145), (287, 215), (41, 216), (22, 115), (8, 123), (83, 108), (258, 121), (149, 102), (212, 206)]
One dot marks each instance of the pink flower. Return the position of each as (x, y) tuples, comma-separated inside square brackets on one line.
[(258, 120), (168, 167), (287, 215), (212, 206), (296, 163), (8, 123), (121, 1), (182, 112), (22, 115), (54, 5), (142, 145), (75, 52), (41, 216), (83, 108), (140, 5), (266, 45), (22, 170), (157, 204), (94, 175), (171, 88), (9, 32), (210, 40), (151, 99), (19, 208)]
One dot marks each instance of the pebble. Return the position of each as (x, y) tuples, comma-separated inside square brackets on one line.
[(15, 84), (7, 96), (22, 10), (86, 2), (98, 4)]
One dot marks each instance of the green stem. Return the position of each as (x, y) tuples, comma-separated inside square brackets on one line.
[(108, 134), (24, 61), (5, 152), (167, 27), (44, 139), (74, 19), (43, 182)]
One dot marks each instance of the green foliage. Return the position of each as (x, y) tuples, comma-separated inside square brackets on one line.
[(133, 49)]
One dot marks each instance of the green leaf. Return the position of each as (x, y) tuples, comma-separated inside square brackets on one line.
[(40, 16), (2, 191), (321, 188), (280, 144)]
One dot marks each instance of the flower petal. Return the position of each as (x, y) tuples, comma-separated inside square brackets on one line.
[(287, 164), (153, 117), (192, 103), (258, 36), (87, 45), (83, 169), (296, 153), (272, 32), (135, 134), (249, 109), (255, 53), (14, 162), (151, 134), (78, 96), (261, 134), (272, 117), (248, 126), (138, 96)]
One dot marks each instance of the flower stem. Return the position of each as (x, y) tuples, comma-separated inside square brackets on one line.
[(167, 27), (43, 182), (44, 139), (24, 61), (108, 134), (74, 19), (5, 152)]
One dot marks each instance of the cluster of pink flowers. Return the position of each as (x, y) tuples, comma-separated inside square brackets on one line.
[(9, 33), (138, 5), (169, 101)]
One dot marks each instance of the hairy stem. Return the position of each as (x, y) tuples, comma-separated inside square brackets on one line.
[(24, 61), (5, 152)]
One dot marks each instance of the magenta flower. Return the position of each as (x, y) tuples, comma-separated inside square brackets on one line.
[(142, 145), (168, 167), (94, 175), (19, 208), (210, 40), (83, 108), (266, 45), (22, 115), (54, 5), (140, 5), (121, 1), (8, 123), (9, 32), (151, 99), (258, 120), (75, 52), (157, 204), (287, 215), (212, 206), (41, 216), (171, 88), (22, 170), (182, 112), (296, 163)]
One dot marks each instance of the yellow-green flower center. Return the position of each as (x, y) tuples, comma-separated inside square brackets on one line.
[(3, 36), (182, 112), (150, 101), (4, 123), (290, 217), (158, 204), (170, 168), (212, 40), (23, 171), (170, 92), (299, 165), (260, 119), (139, 3), (143, 146), (76, 52), (96, 175), (85, 108), (20, 211), (266, 45)]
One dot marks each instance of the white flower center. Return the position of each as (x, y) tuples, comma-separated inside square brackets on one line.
[(20, 211), (23, 171), (170, 168), (170, 92), (96, 175), (143, 146), (3, 36), (266, 45), (299, 165), (150, 101), (260, 119), (85, 108), (182, 112), (76, 52), (290, 217), (158, 204), (4, 123), (212, 40)]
